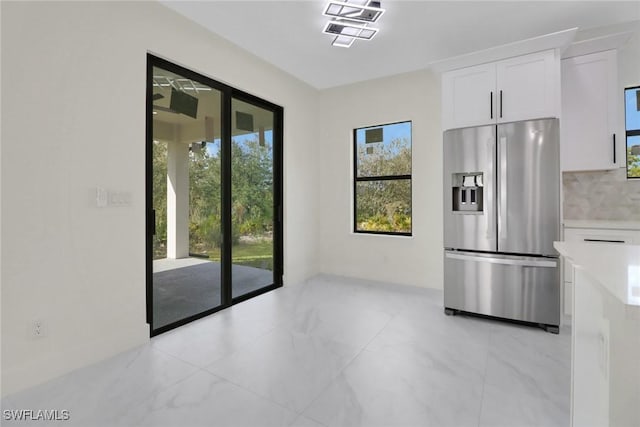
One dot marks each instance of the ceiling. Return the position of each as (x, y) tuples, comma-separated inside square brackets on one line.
[(288, 34)]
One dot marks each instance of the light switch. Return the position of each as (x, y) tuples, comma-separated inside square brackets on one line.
[(102, 197), (119, 198)]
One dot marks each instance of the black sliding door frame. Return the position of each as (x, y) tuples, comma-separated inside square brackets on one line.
[(227, 94)]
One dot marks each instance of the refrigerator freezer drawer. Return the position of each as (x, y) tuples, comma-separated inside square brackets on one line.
[(511, 287)]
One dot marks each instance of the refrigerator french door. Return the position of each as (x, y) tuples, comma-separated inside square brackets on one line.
[(501, 217)]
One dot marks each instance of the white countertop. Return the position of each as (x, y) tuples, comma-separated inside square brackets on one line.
[(615, 266), (602, 224)]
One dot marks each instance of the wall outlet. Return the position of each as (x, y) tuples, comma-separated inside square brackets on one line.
[(635, 197), (38, 329)]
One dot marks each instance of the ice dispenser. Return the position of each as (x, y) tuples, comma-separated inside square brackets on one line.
[(467, 192)]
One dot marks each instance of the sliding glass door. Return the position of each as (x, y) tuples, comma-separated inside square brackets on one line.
[(213, 195), (252, 196)]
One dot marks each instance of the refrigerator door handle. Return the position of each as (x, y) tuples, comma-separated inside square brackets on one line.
[(502, 188), (488, 185), (527, 262)]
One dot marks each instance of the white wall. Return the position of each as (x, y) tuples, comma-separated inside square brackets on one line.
[(73, 99), (630, 60), (415, 260), (1, 351), (628, 75)]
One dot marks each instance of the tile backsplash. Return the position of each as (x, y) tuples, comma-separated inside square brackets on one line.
[(601, 195)]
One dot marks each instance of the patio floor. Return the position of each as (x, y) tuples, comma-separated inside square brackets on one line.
[(187, 286)]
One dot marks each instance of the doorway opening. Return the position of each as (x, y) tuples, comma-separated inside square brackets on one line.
[(214, 195)]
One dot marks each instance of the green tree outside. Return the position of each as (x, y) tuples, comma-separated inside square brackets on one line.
[(252, 202), (384, 205), (633, 163)]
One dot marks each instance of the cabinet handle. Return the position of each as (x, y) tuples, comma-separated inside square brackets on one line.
[(491, 103), (500, 104), (614, 148), (604, 240)]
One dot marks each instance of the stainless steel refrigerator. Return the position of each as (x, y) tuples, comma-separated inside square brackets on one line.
[(501, 217)]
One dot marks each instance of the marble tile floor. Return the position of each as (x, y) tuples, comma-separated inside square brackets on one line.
[(329, 352)]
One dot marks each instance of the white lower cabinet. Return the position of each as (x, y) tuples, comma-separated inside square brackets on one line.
[(605, 357), (593, 236), (605, 332), (590, 364)]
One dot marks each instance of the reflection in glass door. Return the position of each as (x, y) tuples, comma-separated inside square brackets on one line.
[(186, 169), (252, 197)]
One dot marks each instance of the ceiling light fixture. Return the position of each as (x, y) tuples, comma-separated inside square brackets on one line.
[(349, 29), (343, 41), (363, 10), (350, 19)]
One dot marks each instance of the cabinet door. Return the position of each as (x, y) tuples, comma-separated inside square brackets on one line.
[(592, 236), (589, 111), (469, 97), (590, 354), (527, 87)]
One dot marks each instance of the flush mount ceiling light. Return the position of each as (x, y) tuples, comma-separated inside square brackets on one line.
[(350, 20), (342, 41), (357, 10), (350, 29)]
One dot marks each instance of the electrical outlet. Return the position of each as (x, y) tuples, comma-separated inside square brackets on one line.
[(38, 329), (634, 197)]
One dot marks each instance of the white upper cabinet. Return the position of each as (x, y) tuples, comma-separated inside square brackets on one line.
[(589, 112), (520, 88), (528, 87), (469, 96)]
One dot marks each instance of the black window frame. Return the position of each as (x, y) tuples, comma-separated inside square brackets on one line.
[(628, 132), (357, 179)]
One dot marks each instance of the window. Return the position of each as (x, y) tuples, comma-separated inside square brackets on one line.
[(632, 126), (382, 179)]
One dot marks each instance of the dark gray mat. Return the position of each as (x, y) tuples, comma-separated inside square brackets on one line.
[(185, 291)]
